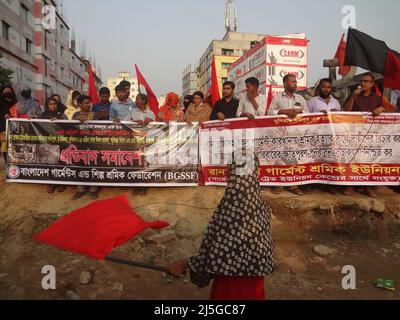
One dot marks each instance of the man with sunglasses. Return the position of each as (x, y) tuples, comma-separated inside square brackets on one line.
[(364, 98)]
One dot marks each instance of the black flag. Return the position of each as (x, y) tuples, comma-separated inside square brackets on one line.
[(366, 52)]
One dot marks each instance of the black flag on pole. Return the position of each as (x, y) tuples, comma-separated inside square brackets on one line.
[(366, 52)]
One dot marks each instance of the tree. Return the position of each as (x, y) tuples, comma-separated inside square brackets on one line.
[(5, 74)]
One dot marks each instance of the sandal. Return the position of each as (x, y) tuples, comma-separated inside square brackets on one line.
[(94, 195), (348, 191), (78, 195), (276, 190), (297, 191), (51, 189), (371, 192)]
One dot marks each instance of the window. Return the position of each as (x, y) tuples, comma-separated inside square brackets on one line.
[(46, 39), (253, 43), (62, 72), (24, 12), (45, 67), (6, 30), (228, 52), (62, 35), (28, 46), (226, 65), (62, 51)]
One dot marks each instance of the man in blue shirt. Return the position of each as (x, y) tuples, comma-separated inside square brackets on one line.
[(102, 109), (120, 109)]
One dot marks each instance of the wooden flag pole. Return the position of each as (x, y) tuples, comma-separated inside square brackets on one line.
[(137, 264)]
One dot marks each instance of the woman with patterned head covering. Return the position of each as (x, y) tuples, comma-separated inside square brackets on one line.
[(27, 107), (171, 110), (237, 251)]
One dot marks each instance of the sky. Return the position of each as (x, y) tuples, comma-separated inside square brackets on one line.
[(163, 36)]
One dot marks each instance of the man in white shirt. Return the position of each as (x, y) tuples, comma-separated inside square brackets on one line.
[(140, 113), (252, 104), (288, 103), (324, 102), (127, 85)]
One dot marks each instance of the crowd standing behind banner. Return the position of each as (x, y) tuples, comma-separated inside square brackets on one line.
[(193, 108)]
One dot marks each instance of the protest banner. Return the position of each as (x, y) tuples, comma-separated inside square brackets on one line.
[(339, 149), (102, 153)]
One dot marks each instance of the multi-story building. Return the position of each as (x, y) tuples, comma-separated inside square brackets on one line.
[(113, 82), (226, 52), (17, 41), (270, 61), (77, 69), (41, 57), (190, 80)]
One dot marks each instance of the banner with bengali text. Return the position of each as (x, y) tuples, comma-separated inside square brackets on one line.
[(102, 153), (339, 148)]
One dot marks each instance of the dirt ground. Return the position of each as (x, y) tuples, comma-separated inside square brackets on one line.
[(366, 240)]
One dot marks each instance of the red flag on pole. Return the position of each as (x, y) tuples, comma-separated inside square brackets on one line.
[(98, 228), (269, 98), (392, 71), (340, 55), (153, 102), (214, 89), (92, 92)]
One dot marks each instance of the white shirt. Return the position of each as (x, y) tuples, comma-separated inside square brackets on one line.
[(283, 101), (245, 106), (317, 104), (138, 115)]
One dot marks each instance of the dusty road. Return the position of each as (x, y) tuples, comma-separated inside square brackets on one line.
[(370, 241)]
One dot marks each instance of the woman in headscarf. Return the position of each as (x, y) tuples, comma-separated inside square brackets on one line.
[(61, 106), (27, 107), (187, 100), (171, 110), (52, 112), (198, 111), (72, 104), (8, 102), (237, 251)]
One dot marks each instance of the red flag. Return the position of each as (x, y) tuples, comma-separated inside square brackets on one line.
[(92, 92), (97, 229), (392, 71), (269, 99), (340, 55), (153, 102), (214, 89)]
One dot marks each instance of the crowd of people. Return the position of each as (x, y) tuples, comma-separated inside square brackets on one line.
[(193, 108)]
